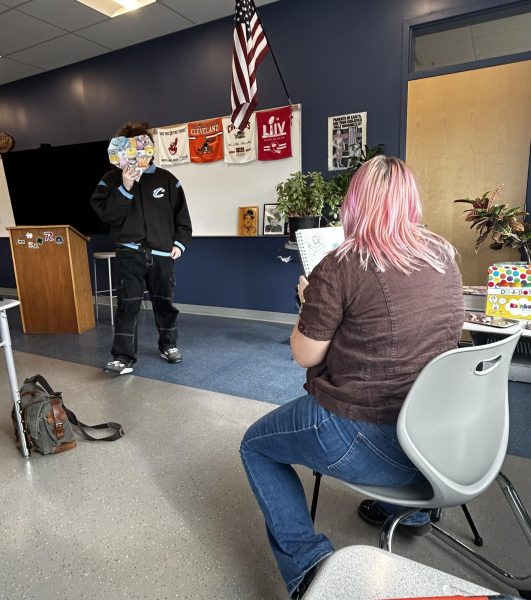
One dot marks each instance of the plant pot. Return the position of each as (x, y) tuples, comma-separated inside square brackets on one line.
[(301, 223)]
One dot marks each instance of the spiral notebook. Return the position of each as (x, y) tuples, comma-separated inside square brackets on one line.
[(314, 244)]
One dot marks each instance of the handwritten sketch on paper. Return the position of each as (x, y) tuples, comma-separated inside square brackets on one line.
[(313, 244), (347, 136)]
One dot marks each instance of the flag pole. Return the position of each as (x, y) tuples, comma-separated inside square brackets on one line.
[(272, 53)]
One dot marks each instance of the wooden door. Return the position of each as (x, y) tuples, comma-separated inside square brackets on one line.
[(467, 133)]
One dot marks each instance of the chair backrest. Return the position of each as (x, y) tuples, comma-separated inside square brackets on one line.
[(454, 424)]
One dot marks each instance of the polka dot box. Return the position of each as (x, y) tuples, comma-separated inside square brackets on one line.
[(509, 291)]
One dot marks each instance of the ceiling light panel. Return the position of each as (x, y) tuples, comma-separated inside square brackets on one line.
[(114, 8)]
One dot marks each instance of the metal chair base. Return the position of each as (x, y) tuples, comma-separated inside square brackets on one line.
[(522, 584)]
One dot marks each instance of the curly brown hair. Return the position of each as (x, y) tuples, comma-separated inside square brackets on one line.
[(132, 129)]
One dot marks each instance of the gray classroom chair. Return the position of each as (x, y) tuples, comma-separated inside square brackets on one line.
[(454, 426)]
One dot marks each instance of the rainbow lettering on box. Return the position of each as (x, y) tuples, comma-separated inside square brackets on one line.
[(509, 291)]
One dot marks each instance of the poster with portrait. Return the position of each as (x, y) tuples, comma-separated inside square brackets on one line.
[(248, 220), (347, 137), (273, 222)]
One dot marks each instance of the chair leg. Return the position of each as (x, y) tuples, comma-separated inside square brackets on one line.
[(522, 584), (110, 291), (389, 527), (435, 515), (95, 288), (315, 496), (478, 540)]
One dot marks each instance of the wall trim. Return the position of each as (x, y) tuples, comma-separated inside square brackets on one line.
[(196, 309)]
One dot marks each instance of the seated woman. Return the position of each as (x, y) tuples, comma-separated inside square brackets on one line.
[(374, 313)]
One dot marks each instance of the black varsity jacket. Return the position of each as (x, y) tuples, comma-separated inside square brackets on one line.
[(153, 213)]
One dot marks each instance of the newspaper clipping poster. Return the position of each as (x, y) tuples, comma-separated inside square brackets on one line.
[(347, 137)]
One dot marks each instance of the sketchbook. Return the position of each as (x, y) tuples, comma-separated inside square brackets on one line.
[(314, 244)]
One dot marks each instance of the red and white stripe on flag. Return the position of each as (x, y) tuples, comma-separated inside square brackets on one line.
[(250, 47)]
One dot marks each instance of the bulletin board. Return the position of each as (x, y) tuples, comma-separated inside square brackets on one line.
[(214, 191)]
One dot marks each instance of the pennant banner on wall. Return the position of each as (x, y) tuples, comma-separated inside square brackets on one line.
[(172, 145), (206, 140), (274, 133), (239, 144)]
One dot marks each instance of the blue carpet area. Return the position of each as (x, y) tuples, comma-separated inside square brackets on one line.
[(251, 359)]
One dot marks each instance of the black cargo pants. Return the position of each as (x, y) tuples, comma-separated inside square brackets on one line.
[(137, 271)]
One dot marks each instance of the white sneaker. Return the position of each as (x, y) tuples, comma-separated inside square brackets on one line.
[(121, 367), (172, 355)]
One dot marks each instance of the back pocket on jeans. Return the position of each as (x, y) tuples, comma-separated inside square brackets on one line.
[(367, 464)]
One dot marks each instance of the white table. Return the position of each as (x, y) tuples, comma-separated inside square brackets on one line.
[(499, 330), (5, 343), (367, 573)]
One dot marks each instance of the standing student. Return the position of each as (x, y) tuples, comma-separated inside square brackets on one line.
[(374, 313), (150, 224)]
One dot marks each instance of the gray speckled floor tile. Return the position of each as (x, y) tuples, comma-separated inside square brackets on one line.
[(166, 512)]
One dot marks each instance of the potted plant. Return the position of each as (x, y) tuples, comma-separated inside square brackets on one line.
[(301, 199), (505, 226), (337, 186)]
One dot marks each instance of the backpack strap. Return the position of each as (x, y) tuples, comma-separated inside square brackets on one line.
[(118, 429), (40, 379)]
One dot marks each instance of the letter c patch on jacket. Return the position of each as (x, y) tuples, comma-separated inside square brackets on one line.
[(159, 192)]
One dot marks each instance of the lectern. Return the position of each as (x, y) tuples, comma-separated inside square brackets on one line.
[(53, 281)]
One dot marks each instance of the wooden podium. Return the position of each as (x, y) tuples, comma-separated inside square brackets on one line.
[(53, 281)]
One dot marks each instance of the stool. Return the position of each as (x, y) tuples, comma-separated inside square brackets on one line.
[(103, 256)]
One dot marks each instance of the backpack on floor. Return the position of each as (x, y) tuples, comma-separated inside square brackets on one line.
[(48, 423)]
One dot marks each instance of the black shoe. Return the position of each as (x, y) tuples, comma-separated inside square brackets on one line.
[(371, 512), (172, 355), (119, 366), (305, 583)]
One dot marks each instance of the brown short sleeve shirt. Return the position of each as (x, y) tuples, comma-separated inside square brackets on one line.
[(384, 328)]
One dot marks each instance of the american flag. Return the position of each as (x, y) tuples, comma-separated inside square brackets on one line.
[(250, 47)]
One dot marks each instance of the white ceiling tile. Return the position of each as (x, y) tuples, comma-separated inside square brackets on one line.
[(202, 12), (59, 52), (11, 70), (147, 23), (67, 14), (12, 3), (21, 31)]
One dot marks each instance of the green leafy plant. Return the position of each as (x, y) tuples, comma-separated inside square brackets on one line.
[(337, 186), (301, 195), (505, 226)]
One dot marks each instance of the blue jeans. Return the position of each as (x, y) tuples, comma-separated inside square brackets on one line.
[(302, 432)]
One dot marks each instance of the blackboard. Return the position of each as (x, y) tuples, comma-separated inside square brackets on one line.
[(53, 185)]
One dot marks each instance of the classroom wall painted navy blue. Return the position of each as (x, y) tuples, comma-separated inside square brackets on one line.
[(336, 57)]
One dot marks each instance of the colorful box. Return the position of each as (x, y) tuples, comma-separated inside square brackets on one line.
[(509, 291)]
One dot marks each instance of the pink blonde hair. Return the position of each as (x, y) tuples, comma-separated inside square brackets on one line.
[(381, 216)]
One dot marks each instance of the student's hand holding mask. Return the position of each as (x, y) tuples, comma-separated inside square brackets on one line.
[(129, 176)]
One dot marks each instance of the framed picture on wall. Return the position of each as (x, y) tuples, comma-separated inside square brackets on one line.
[(248, 220), (347, 137), (273, 222)]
